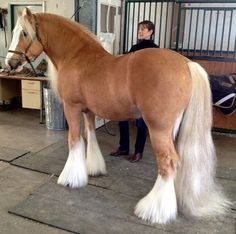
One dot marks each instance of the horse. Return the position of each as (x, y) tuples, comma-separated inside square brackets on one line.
[(169, 91)]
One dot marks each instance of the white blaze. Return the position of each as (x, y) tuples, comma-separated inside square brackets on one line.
[(15, 40)]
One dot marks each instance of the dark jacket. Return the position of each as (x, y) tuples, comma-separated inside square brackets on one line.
[(143, 44)]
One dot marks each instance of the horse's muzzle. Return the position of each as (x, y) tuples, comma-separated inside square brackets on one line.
[(13, 65)]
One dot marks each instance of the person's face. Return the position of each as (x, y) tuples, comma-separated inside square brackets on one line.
[(144, 33)]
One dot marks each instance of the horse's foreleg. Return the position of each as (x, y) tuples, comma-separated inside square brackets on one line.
[(159, 205), (94, 160), (74, 173)]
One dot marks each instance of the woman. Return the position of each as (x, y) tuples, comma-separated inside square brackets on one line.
[(145, 40)]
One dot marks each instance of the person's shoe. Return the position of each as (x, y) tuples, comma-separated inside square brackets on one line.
[(136, 157), (119, 152)]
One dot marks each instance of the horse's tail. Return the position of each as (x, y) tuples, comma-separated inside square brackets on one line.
[(196, 190)]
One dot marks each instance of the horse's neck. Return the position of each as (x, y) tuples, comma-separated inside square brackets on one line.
[(65, 40)]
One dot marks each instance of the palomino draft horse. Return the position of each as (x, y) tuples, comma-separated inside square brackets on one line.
[(169, 91)]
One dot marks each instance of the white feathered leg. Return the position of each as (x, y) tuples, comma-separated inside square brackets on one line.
[(74, 173), (159, 205), (94, 161)]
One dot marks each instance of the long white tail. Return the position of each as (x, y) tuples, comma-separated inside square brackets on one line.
[(197, 192)]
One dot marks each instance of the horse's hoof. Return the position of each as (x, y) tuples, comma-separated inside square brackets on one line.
[(73, 180), (159, 205)]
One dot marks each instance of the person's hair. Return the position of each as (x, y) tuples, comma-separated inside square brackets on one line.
[(149, 25)]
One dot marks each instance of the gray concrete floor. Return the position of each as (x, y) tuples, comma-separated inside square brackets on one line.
[(20, 130)]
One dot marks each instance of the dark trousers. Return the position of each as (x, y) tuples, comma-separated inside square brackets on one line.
[(140, 139)]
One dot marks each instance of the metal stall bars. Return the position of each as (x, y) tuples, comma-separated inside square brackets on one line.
[(161, 13), (205, 31), (196, 29)]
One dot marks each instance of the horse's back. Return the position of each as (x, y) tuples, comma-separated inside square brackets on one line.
[(152, 65), (154, 73), (159, 59)]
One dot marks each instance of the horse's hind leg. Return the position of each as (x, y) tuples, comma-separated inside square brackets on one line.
[(159, 205), (74, 173), (94, 160)]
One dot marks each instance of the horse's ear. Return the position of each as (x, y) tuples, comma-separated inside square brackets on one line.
[(18, 12), (27, 12)]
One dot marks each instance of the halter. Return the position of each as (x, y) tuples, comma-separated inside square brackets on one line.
[(24, 54)]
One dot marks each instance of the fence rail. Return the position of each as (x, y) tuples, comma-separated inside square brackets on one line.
[(197, 29)]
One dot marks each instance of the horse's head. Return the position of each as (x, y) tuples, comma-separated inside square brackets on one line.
[(26, 44)]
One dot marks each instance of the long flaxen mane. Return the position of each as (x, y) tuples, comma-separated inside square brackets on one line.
[(57, 19), (24, 23), (69, 29)]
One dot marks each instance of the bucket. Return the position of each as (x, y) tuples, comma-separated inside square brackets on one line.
[(54, 113)]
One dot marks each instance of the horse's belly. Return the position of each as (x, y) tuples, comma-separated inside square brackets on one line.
[(116, 112)]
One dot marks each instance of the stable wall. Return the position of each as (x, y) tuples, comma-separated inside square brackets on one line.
[(218, 67), (226, 122)]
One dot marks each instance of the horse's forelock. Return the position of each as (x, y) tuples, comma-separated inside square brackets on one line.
[(26, 26)]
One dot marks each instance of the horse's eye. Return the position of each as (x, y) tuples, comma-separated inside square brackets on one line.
[(24, 33)]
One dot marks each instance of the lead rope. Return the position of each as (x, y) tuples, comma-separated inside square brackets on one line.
[(79, 7)]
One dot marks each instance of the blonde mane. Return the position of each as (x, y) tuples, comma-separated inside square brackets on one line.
[(70, 23), (26, 26), (88, 32)]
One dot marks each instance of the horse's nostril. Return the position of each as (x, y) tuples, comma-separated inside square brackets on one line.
[(18, 64), (10, 66)]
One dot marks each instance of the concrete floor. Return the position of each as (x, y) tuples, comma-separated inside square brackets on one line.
[(20, 130)]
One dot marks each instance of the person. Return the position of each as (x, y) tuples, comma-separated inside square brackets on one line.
[(145, 40)]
